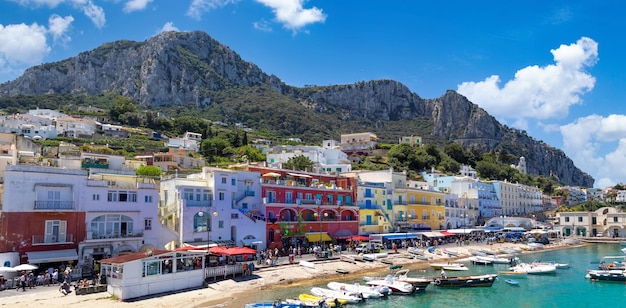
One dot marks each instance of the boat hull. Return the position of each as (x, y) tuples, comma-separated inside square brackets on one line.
[(482, 281)]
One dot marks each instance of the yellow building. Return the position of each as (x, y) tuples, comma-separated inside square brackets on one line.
[(373, 204), (426, 209)]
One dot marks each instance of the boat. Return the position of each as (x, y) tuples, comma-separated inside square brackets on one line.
[(366, 291), (303, 304), (408, 256), (513, 274), (431, 249), (450, 253), (348, 297), (420, 283), (441, 265), (311, 299), (342, 271), (612, 263), (386, 261), (534, 268), (494, 259), (348, 258), (416, 251), (476, 252), (276, 304), (477, 261), (307, 264), (397, 287), (607, 275), (423, 258), (571, 241), (465, 281), (456, 267), (512, 282)]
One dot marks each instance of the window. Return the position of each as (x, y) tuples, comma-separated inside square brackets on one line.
[(147, 224), (200, 222), (233, 182), (615, 219), (111, 226), (187, 194), (580, 219), (221, 195), (55, 231), (220, 224), (223, 180), (308, 197), (151, 268), (147, 199), (95, 197), (288, 197), (566, 219), (122, 196)]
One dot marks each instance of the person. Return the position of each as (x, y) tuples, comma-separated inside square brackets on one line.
[(65, 288), (443, 274), (23, 280)]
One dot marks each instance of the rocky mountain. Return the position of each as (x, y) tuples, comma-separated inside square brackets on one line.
[(176, 68)]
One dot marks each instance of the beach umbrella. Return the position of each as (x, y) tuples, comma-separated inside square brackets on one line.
[(25, 267), (7, 269)]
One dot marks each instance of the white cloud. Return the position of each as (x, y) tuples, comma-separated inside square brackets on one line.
[(38, 3), (583, 139), (292, 15), (168, 26), (58, 26), (22, 45), (93, 12), (262, 25), (199, 7), (539, 92), (135, 5)]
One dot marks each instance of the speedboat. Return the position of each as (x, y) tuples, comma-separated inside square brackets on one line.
[(331, 302), (397, 287), (348, 297), (366, 291), (420, 283), (478, 261), (494, 259), (441, 265), (455, 267), (534, 268)]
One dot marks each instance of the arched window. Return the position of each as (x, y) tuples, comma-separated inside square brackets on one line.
[(200, 222)]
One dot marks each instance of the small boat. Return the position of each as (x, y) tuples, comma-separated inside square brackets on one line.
[(278, 304), (408, 256), (307, 264), (369, 257), (416, 251), (312, 299), (512, 282), (606, 275), (386, 261), (534, 268), (450, 253), (348, 297), (431, 249), (476, 260), (458, 267), (466, 281), (342, 271), (441, 265), (397, 287), (348, 258), (423, 258), (494, 259), (420, 283), (476, 252), (366, 291)]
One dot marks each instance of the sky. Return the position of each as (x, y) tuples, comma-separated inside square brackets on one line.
[(554, 69)]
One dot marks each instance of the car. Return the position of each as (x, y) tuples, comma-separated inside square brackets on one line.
[(368, 247), (599, 234)]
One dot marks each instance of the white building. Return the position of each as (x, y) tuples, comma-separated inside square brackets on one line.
[(218, 205), (325, 160), (358, 141), (189, 141)]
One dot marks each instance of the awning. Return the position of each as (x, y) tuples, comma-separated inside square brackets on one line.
[(271, 174), (317, 236), (251, 241), (299, 175), (49, 256), (404, 236), (432, 234), (446, 233)]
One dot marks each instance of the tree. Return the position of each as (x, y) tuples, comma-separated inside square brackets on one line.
[(300, 163), (121, 105), (456, 152), (149, 171), (213, 147)]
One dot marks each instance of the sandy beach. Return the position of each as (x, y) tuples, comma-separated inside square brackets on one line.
[(241, 290)]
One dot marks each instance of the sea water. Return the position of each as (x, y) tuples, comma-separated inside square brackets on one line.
[(566, 288)]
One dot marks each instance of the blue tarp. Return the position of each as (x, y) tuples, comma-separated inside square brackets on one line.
[(401, 236)]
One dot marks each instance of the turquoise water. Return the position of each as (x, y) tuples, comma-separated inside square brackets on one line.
[(568, 288)]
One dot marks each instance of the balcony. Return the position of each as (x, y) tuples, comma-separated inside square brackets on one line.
[(205, 203), (54, 205), (53, 239), (93, 236)]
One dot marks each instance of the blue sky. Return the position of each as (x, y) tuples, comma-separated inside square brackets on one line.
[(552, 68)]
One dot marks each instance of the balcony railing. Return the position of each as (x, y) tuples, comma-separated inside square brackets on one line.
[(53, 239), (113, 235), (198, 202), (54, 205)]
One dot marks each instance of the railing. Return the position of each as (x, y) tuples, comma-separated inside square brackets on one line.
[(53, 239), (54, 205), (114, 235), (197, 202), (247, 193)]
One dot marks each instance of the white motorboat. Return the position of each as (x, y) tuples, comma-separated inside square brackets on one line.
[(397, 287), (441, 265), (494, 259), (534, 268), (349, 297), (476, 252), (416, 251), (478, 261), (457, 267), (366, 291)]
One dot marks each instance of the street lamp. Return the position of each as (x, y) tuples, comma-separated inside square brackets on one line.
[(320, 220)]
